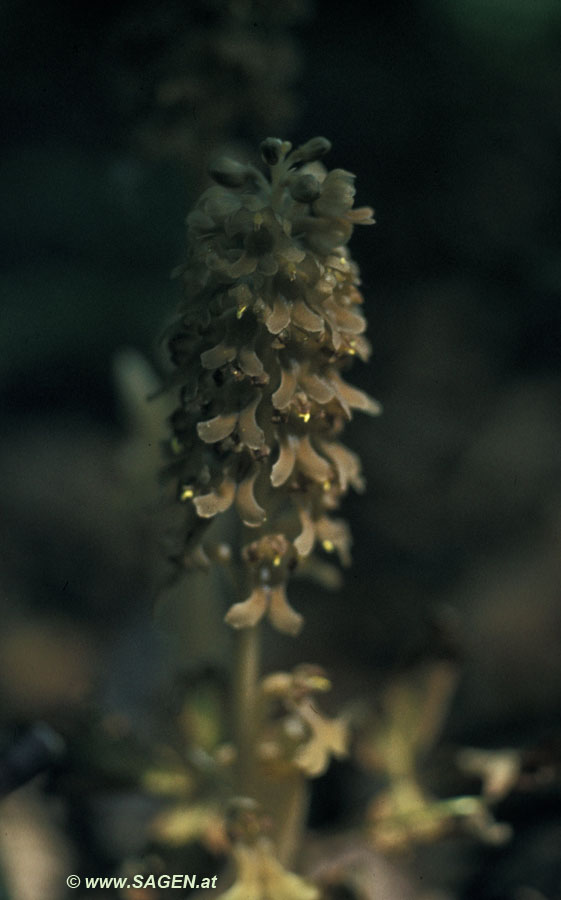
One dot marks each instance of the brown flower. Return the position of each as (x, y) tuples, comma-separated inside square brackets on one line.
[(272, 318), (319, 738)]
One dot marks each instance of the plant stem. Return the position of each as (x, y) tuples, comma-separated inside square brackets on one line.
[(291, 818), (245, 703)]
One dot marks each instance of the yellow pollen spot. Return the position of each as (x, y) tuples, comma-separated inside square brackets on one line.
[(328, 546), (257, 221), (241, 311), (186, 493), (305, 416), (342, 260), (318, 683), (326, 485), (176, 445), (277, 560)]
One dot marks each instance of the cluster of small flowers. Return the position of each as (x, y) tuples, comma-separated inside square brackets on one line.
[(271, 318)]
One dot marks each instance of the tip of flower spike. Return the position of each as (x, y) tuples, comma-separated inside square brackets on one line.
[(273, 150), (275, 301)]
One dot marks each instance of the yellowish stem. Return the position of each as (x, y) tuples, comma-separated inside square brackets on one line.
[(292, 813), (245, 700)]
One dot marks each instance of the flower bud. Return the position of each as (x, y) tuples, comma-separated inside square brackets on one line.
[(272, 151), (305, 189), (228, 173), (313, 149)]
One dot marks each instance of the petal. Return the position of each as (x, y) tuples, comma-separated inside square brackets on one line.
[(282, 615), (329, 737), (292, 254), (287, 388), (335, 734), (279, 317), (337, 194), (245, 265), (346, 463), (361, 348), (317, 388), (304, 543), (326, 234), (351, 398), (250, 433), (217, 356), (310, 462), (336, 338), (217, 429), (334, 534), (350, 322), (303, 317), (282, 469), (250, 611), (250, 512), (362, 215), (312, 758), (218, 501), (251, 365)]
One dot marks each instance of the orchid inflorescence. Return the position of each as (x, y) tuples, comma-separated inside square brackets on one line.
[(271, 318)]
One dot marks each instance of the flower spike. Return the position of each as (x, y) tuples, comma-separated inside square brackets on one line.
[(271, 320)]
